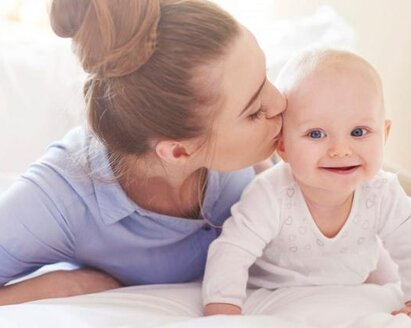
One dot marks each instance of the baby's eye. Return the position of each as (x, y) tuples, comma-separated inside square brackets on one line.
[(316, 134), (359, 132)]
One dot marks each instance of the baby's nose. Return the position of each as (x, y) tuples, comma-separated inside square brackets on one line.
[(340, 150)]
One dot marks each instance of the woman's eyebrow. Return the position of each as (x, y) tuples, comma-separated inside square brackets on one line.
[(253, 98)]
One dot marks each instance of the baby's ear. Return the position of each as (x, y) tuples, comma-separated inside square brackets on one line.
[(281, 150), (387, 129)]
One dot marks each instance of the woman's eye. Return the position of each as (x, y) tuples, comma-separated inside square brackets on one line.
[(359, 132), (256, 115), (316, 134)]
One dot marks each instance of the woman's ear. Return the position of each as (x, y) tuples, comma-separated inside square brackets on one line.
[(387, 129), (176, 152), (172, 152)]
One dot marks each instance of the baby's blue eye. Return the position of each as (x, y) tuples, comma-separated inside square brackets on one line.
[(316, 134), (359, 132)]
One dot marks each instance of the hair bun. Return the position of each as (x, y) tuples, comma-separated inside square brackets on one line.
[(66, 16), (112, 38)]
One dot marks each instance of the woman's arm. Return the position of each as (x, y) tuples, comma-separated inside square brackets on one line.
[(57, 284)]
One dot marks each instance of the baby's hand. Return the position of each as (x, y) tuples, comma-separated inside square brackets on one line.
[(221, 308), (405, 309)]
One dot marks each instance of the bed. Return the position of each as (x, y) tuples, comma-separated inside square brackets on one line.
[(179, 305)]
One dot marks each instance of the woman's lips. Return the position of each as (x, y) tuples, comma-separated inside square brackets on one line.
[(342, 170)]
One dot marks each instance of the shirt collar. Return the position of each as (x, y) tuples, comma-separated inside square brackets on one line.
[(114, 203)]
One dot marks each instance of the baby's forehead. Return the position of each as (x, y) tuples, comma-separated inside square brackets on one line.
[(335, 63), (341, 76)]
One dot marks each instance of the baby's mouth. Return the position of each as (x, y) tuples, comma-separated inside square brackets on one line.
[(342, 169)]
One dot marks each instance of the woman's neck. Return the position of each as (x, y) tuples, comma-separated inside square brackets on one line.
[(162, 188)]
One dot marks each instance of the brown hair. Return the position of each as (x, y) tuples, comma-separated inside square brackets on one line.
[(143, 58)]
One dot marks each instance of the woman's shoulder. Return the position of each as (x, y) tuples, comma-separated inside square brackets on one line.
[(75, 144), (223, 190), (79, 151), (63, 172), (234, 179), (228, 186)]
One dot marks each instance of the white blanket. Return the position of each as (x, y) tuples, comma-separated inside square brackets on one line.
[(172, 306)]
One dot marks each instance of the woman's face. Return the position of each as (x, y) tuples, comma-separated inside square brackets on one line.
[(248, 123)]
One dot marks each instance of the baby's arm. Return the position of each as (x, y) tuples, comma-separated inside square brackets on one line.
[(221, 308), (405, 309), (395, 231), (253, 224), (386, 270)]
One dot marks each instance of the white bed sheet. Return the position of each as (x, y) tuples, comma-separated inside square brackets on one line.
[(179, 305)]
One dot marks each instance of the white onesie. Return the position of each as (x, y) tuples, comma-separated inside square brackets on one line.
[(272, 228)]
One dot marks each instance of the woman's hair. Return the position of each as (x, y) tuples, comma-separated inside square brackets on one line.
[(147, 63)]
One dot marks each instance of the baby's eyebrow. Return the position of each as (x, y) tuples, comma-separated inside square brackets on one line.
[(367, 121), (254, 97), (305, 123)]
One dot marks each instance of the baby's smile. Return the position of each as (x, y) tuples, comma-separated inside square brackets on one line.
[(343, 170)]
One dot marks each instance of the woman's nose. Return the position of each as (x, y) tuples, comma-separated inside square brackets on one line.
[(278, 103)]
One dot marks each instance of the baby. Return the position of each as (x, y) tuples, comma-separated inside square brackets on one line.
[(315, 218)]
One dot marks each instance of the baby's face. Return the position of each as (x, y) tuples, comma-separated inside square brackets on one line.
[(334, 129)]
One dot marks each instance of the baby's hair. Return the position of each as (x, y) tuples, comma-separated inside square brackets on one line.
[(318, 59)]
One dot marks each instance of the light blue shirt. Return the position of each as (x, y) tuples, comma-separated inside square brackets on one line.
[(63, 210)]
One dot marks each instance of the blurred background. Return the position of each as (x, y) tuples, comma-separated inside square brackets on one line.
[(41, 81)]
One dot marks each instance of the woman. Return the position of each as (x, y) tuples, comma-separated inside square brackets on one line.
[(179, 109)]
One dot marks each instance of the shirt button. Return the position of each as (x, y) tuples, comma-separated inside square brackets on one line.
[(206, 227)]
